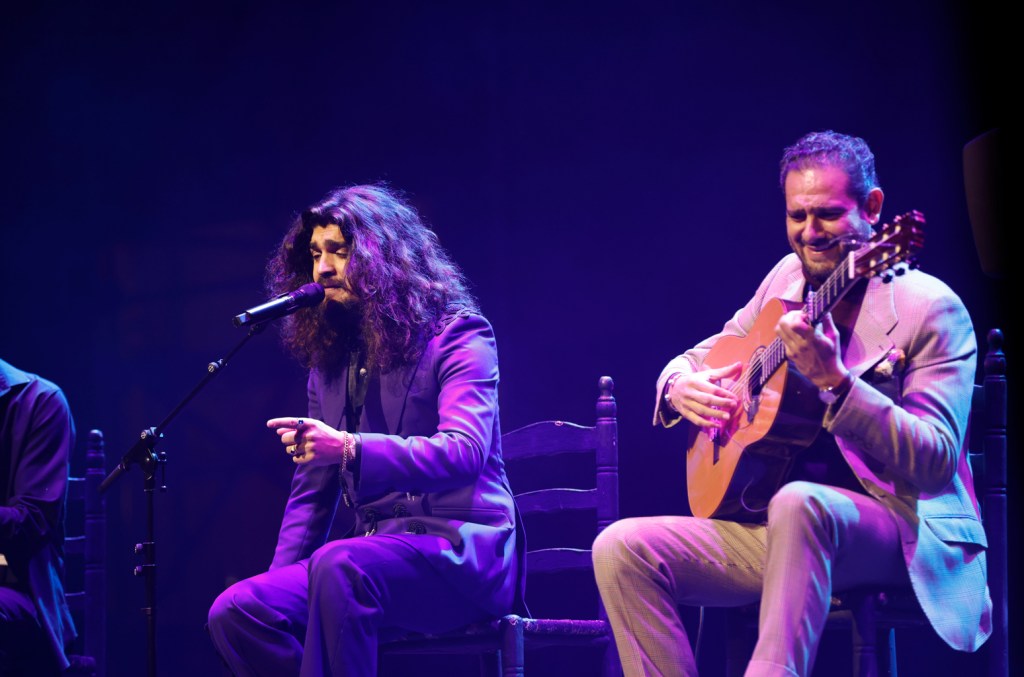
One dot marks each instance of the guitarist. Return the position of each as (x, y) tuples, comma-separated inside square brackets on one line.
[(883, 495)]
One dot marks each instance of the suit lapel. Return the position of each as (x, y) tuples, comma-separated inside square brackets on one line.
[(871, 335), (375, 410), (333, 395), (395, 387), (390, 393), (385, 403), (793, 285)]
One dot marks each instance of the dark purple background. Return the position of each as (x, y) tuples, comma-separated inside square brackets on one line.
[(606, 175)]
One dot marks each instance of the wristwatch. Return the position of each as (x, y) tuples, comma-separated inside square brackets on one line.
[(668, 390), (835, 393)]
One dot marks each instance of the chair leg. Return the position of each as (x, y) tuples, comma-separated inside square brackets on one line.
[(864, 637), (512, 663), (890, 651), (739, 647), (490, 663), (610, 665)]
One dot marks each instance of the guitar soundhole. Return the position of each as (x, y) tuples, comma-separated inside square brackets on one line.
[(755, 382), (754, 374)]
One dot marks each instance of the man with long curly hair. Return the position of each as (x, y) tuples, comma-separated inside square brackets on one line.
[(403, 428)]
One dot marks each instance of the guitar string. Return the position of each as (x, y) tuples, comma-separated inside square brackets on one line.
[(831, 290), (774, 354)]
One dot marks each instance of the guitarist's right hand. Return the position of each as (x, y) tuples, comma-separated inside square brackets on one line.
[(700, 399)]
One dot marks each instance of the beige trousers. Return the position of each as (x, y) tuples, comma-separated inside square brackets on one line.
[(817, 539)]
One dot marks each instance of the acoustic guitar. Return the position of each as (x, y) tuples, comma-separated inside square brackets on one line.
[(732, 472)]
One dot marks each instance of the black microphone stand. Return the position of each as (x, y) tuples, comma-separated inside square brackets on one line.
[(143, 454)]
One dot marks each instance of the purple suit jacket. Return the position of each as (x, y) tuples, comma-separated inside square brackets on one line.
[(430, 463)]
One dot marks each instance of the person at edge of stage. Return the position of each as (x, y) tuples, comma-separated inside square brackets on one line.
[(37, 436), (882, 496), (403, 428)]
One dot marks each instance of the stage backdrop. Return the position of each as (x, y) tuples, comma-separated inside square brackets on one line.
[(605, 173)]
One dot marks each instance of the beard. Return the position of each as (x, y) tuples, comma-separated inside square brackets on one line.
[(817, 272), (337, 333), (343, 323)]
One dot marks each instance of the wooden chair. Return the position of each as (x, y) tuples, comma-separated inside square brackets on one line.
[(85, 552), (873, 615), (535, 456)]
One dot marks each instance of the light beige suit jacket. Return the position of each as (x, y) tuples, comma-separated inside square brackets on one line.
[(901, 429)]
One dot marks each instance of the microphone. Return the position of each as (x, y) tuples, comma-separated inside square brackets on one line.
[(305, 296)]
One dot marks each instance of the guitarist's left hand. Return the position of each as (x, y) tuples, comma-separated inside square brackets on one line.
[(814, 351)]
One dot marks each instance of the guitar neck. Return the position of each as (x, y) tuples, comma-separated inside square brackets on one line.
[(819, 302), (734, 471), (824, 299)]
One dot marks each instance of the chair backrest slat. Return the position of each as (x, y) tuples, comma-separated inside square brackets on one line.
[(76, 489), (74, 545), (571, 470), (553, 560), (991, 407), (546, 438), (85, 549), (556, 500)]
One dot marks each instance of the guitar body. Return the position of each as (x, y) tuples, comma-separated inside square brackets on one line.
[(735, 473)]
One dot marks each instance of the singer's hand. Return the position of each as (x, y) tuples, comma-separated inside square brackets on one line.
[(309, 441)]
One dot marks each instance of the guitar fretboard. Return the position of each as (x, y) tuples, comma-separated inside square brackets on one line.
[(819, 302)]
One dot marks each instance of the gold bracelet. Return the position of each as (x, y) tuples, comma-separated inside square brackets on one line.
[(348, 450)]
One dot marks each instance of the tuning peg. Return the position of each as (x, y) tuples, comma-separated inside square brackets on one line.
[(901, 270), (887, 276)]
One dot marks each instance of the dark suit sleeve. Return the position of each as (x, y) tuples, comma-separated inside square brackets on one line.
[(465, 364), (41, 436)]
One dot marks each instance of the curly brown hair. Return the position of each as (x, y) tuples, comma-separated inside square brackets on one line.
[(404, 281)]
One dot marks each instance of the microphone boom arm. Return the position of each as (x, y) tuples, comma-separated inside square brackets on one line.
[(143, 453)]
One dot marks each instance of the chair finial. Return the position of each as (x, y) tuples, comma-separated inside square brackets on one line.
[(995, 359)]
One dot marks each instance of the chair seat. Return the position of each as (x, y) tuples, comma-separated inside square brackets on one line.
[(893, 607), (890, 607), (81, 666), (472, 638), (587, 631)]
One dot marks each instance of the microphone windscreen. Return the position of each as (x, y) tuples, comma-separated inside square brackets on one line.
[(308, 295)]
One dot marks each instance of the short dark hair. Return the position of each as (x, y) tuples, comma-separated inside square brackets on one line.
[(849, 153)]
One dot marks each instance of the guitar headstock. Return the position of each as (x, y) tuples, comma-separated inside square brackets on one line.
[(898, 242)]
